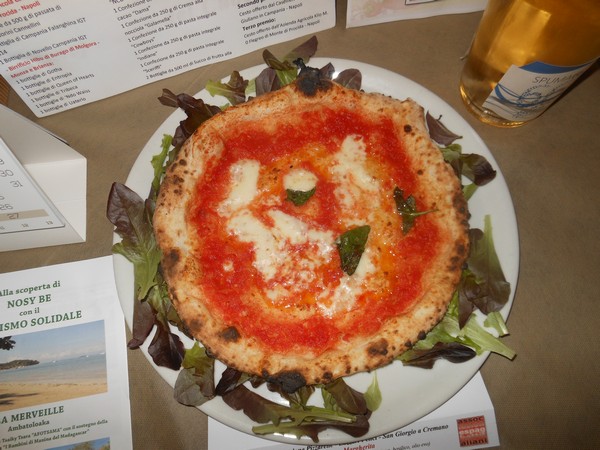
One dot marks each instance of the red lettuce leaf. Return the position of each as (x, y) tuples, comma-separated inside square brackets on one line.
[(347, 398), (494, 290), (425, 359), (350, 78), (143, 321), (266, 81), (256, 407), (304, 51), (477, 169), (166, 348), (188, 389), (438, 131), (195, 109)]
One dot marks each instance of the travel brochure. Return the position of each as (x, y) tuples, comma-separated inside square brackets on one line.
[(63, 361)]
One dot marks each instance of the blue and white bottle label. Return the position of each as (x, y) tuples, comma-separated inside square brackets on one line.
[(525, 92)]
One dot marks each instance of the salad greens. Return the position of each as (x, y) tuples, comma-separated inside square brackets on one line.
[(458, 337)]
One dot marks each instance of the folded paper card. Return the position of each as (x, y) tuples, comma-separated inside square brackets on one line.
[(42, 186)]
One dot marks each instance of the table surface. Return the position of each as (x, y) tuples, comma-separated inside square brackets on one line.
[(548, 397)]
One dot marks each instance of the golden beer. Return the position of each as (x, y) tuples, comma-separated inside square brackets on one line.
[(547, 43)]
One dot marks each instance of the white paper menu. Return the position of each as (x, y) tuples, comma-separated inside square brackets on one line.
[(58, 55), (63, 361)]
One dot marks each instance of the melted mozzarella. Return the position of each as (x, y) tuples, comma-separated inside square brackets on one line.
[(344, 295), (275, 242), (299, 180), (355, 184), (296, 232), (268, 255), (244, 186)]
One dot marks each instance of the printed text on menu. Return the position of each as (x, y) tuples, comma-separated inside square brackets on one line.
[(58, 55)]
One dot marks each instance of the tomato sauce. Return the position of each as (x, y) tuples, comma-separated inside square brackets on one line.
[(236, 289)]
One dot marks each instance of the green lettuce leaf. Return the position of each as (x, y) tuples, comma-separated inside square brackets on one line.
[(234, 90), (132, 218), (195, 384), (493, 291)]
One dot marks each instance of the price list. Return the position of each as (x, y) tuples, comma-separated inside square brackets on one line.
[(23, 205)]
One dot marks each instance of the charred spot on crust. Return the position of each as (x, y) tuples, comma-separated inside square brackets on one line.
[(461, 249), (195, 325), (421, 335), (170, 259), (326, 378), (230, 334), (178, 180), (378, 348), (309, 79), (456, 263), (458, 259), (289, 382), (460, 204), (407, 128)]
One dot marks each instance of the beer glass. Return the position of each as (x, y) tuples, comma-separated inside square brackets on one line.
[(524, 56)]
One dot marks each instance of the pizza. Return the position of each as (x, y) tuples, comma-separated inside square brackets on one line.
[(283, 245)]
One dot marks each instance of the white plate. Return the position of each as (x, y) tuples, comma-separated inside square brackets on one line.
[(408, 393)]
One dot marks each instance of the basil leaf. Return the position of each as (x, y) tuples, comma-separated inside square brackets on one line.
[(299, 198), (407, 208), (351, 246)]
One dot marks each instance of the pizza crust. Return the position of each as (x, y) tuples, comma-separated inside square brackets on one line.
[(354, 353)]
